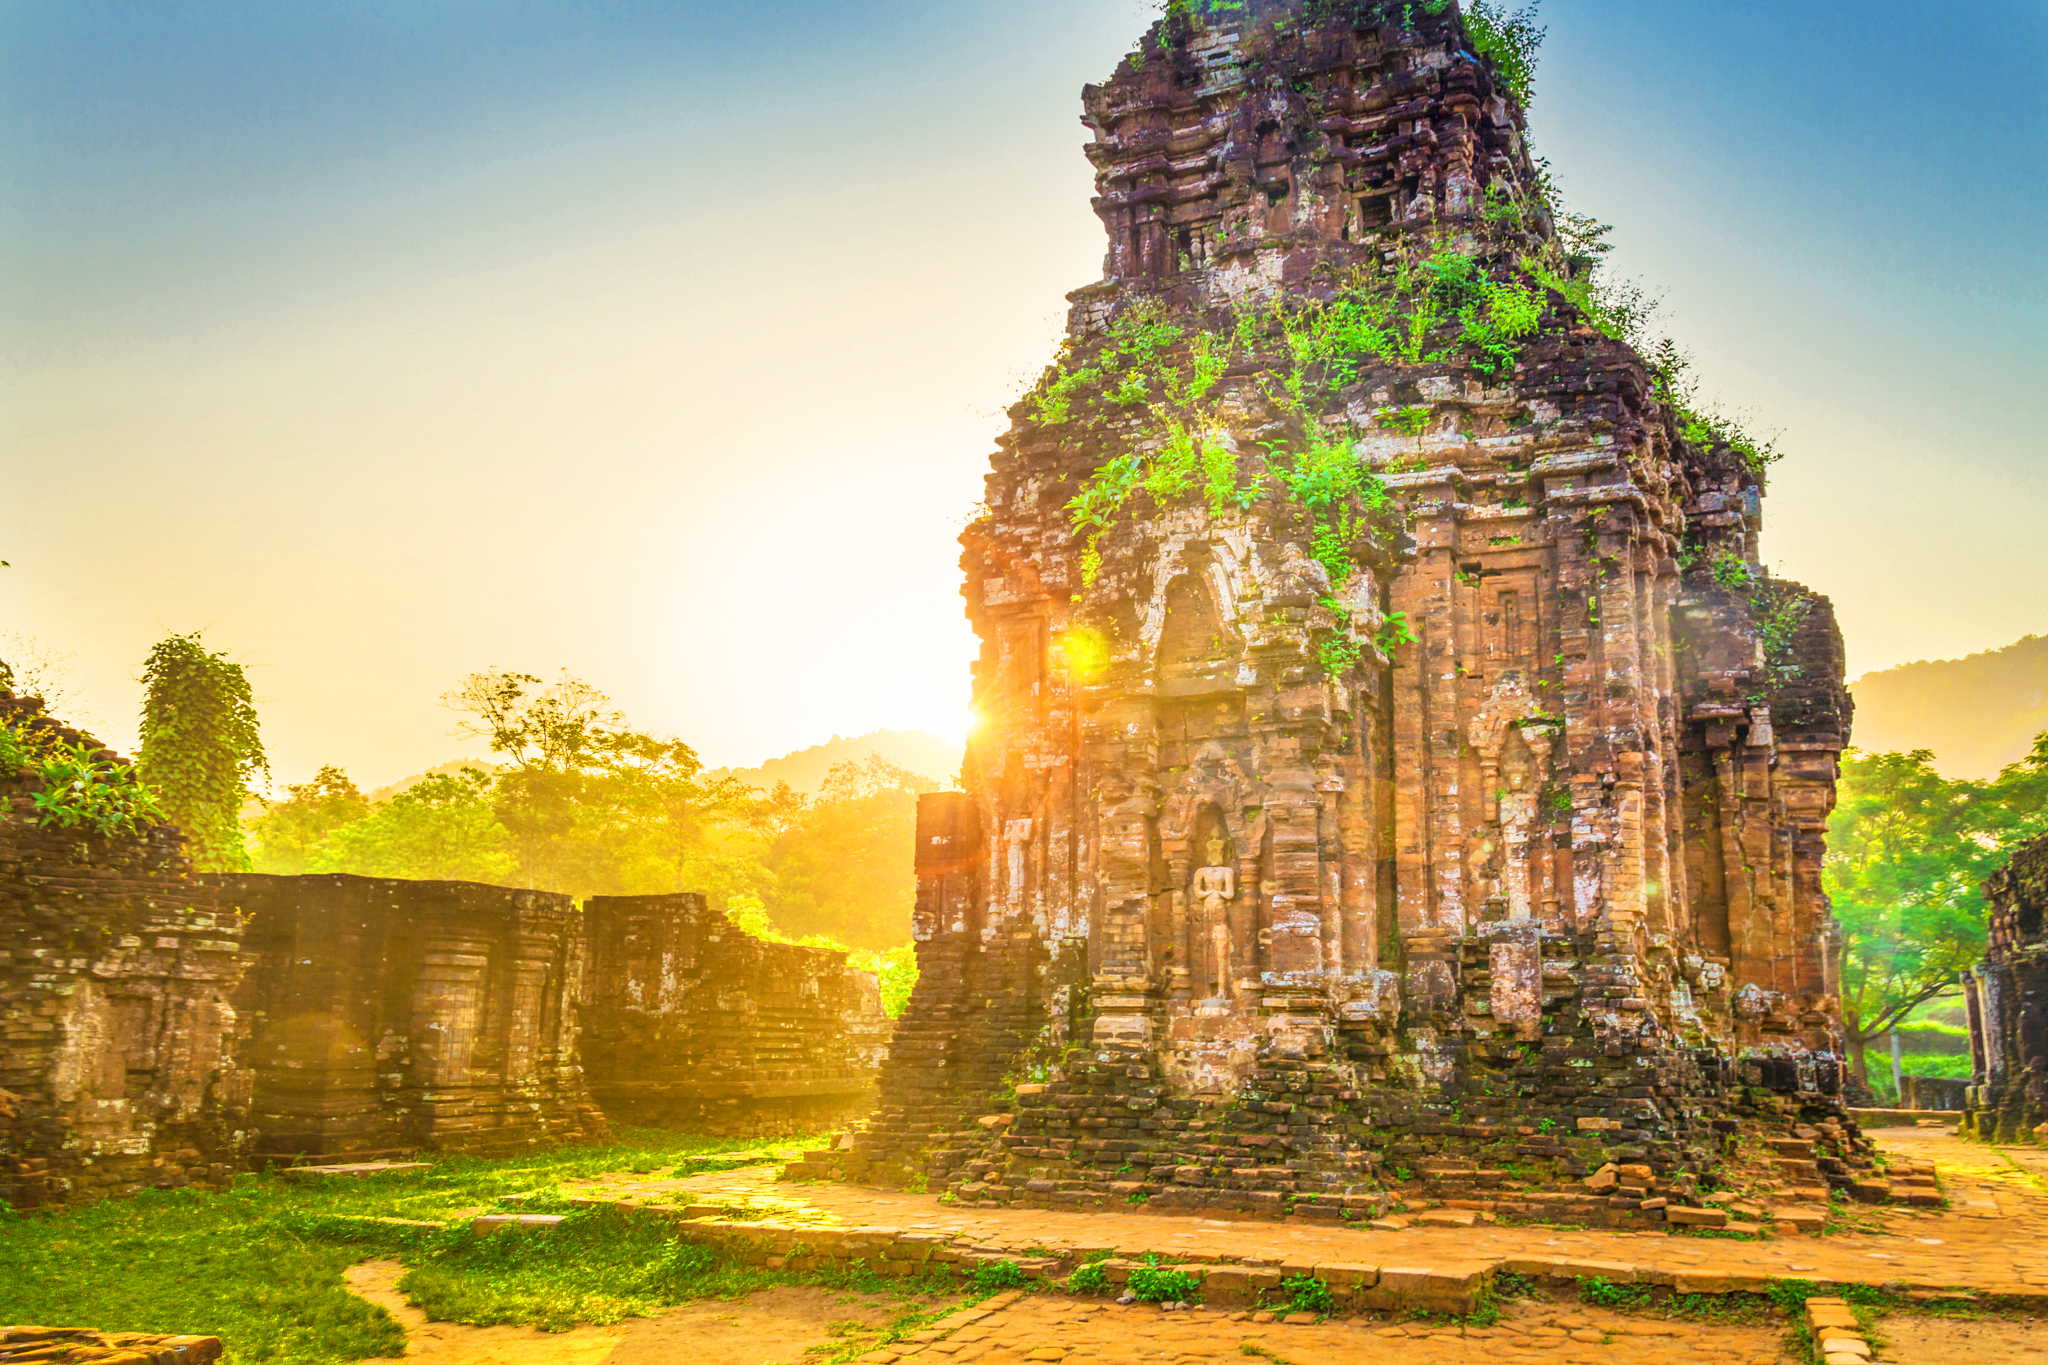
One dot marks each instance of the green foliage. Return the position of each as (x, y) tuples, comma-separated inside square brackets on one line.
[(1089, 1279), (842, 864), (84, 789), (1604, 1293), (992, 1277), (78, 785), (261, 1265), (1510, 40), (1307, 1294), (201, 748), (895, 969), (1907, 852), (1152, 1283), (291, 835), (443, 828)]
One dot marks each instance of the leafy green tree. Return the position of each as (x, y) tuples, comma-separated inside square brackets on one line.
[(596, 806), (201, 747), (291, 834), (1908, 851), (2016, 806), (845, 864), (444, 828)]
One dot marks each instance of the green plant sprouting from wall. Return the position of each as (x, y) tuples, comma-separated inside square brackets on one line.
[(79, 786), (200, 748)]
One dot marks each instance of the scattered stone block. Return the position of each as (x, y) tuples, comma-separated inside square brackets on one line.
[(1696, 1218)]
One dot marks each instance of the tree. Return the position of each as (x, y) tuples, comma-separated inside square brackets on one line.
[(595, 806), (442, 829), (1908, 852), (201, 746), (291, 834), (845, 866)]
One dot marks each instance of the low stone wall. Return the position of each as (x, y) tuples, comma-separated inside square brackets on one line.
[(115, 1026), (386, 1017), (2007, 997), (691, 1023)]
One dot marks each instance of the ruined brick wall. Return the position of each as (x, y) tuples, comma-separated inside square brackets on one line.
[(115, 1023), (1245, 892), (385, 1017), (691, 1023), (2007, 999)]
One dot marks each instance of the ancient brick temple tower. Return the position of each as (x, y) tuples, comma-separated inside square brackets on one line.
[(1392, 746)]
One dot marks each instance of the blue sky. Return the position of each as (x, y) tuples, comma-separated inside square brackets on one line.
[(667, 342)]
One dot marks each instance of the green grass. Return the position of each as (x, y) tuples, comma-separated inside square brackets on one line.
[(261, 1265)]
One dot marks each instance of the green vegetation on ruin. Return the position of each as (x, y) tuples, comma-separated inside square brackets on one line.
[(76, 788), (261, 1265), (1153, 388), (201, 748)]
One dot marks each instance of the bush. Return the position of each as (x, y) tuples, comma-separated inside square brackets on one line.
[(1089, 1279), (1307, 1294), (1154, 1284), (992, 1277)]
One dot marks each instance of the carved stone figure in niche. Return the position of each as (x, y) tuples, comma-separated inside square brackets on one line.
[(1524, 769), (1215, 887)]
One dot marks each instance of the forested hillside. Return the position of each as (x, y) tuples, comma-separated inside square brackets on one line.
[(1976, 714)]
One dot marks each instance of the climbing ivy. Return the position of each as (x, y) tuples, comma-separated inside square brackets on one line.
[(200, 748)]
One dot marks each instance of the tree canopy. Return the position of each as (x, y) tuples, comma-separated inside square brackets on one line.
[(1908, 853), (580, 801)]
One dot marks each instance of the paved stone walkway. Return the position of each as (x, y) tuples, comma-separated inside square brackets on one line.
[(1993, 1239), (1043, 1330)]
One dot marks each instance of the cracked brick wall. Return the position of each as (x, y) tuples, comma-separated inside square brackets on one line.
[(1217, 918), (385, 1017), (116, 1031), (2007, 1001), (692, 1023)]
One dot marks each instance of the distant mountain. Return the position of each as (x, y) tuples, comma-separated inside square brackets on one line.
[(925, 754), (450, 768), (1977, 714)]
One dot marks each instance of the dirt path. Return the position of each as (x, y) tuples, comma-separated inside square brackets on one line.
[(773, 1327)]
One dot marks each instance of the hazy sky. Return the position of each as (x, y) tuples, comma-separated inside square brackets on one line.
[(389, 340)]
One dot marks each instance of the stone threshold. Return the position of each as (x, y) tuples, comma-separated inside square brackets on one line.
[(1452, 1286)]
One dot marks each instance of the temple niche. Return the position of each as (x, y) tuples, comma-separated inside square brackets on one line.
[(1394, 752)]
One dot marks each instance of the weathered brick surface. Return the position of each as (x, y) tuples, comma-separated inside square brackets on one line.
[(2007, 997), (385, 1017), (691, 1023), (115, 1026), (83, 1346), (1215, 925)]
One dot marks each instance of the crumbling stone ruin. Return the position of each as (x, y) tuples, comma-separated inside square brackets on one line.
[(693, 1024), (2007, 1000), (115, 1024), (1396, 763), (161, 1030), (387, 1017)]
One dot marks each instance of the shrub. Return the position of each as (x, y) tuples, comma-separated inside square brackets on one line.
[(1089, 1279), (1307, 1294), (993, 1276), (1155, 1284)]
